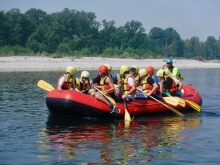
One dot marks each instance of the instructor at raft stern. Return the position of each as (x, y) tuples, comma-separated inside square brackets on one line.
[(173, 69), (66, 81)]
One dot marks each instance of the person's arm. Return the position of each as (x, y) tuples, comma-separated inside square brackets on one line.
[(60, 83), (131, 82), (164, 66), (180, 85), (111, 84), (87, 82), (154, 84)]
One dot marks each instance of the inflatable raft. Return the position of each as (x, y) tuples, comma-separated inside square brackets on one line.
[(68, 102)]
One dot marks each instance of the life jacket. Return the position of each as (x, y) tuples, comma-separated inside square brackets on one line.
[(68, 83), (173, 86), (126, 87), (104, 85), (147, 87), (81, 86), (137, 81), (178, 73)]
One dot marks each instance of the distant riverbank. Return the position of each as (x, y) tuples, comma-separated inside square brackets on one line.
[(37, 63)]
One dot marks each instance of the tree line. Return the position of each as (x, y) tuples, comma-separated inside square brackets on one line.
[(74, 33)]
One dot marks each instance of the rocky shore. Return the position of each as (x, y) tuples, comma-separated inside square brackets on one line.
[(38, 63)]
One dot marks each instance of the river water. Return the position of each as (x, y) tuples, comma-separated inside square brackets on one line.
[(30, 135)]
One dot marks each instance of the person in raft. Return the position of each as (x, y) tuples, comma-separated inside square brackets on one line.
[(134, 73), (148, 85), (168, 86), (128, 83), (109, 69), (173, 69), (107, 88), (83, 83), (66, 81)]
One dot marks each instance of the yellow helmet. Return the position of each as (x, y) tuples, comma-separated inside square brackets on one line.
[(136, 68), (124, 68), (167, 72), (142, 72), (109, 66), (71, 69), (85, 74), (160, 73)]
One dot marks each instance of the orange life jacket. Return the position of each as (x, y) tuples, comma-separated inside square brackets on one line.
[(137, 80), (147, 88), (104, 85), (126, 86)]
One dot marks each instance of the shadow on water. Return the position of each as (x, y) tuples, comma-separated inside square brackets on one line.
[(106, 141)]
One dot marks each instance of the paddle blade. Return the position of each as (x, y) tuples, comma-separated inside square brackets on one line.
[(194, 105), (127, 116), (44, 85), (181, 102), (171, 100)]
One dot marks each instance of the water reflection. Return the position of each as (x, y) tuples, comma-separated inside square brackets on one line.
[(101, 141)]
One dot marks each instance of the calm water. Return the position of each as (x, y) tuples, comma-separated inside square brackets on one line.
[(29, 135)]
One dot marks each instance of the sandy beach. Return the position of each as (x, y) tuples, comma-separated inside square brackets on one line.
[(37, 63)]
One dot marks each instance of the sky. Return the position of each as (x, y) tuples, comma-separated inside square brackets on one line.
[(190, 18)]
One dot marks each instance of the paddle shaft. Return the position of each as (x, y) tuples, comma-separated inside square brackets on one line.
[(107, 97), (172, 109)]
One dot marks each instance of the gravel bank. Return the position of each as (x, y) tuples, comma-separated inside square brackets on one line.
[(33, 63)]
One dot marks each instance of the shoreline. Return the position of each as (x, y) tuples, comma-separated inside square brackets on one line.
[(40, 63)]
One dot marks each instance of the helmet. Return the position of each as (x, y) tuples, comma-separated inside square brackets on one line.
[(85, 74), (167, 72), (114, 78), (136, 68), (160, 73), (71, 69), (150, 70), (169, 61), (142, 72), (124, 68), (103, 69), (109, 66)]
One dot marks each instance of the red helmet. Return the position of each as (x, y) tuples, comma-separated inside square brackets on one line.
[(150, 70), (103, 69)]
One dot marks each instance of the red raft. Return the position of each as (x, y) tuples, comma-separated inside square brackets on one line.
[(68, 102)]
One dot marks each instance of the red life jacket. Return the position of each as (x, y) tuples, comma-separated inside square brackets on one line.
[(68, 83), (127, 87), (147, 88), (173, 86)]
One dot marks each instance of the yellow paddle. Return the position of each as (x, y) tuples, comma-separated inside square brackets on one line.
[(107, 97), (172, 109), (127, 115), (171, 100), (194, 105), (44, 85), (182, 102)]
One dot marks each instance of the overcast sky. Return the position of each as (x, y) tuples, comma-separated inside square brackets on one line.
[(190, 18)]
